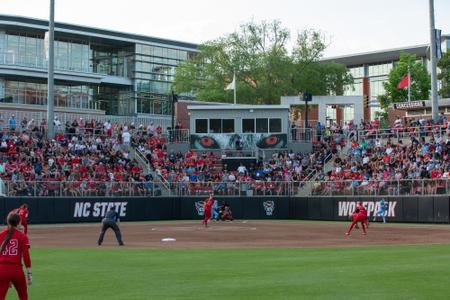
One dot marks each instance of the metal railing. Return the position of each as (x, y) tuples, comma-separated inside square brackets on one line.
[(400, 187), (142, 159), (80, 189), (157, 120), (81, 132), (39, 62), (177, 136), (38, 116), (302, 135), (311, 124), (146, 189), (404, 187), (403, 132)]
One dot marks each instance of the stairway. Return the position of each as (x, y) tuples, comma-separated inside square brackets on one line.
[(146, 166), (307, 184)]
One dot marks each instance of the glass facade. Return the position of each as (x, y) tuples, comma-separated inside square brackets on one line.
[(112, 61), (357, 72), (376, 86), (380, 69), (356, 88), (378, 74), (70, 96), (28, 51), (114, 100), (151, 71), (154, 71), (70, 55), (23, 50), (331, 115), (348, 113)]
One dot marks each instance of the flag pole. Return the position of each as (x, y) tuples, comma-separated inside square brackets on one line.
[(234, 89), (409, 85)]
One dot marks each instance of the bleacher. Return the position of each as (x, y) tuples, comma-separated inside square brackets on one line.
[(90, 158)]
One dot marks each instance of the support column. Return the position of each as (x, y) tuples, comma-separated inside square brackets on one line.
[(322, 113), (366, 91), (2, 88)]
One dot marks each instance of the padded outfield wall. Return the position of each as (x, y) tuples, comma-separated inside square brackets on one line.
[(74, 210)]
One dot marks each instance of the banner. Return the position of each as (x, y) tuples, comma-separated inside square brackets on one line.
[(77, 210), (238, 141), (46, 44), (437, 34), (398, 209)]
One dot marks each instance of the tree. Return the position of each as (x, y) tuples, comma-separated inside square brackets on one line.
[(312, 76), (420, 81), (444, 75), (336, 77), (265, 70)]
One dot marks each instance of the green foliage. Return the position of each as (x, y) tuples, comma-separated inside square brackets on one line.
[(264, 68), (444, 75), (383, 272), (384, 118), (420, 81)]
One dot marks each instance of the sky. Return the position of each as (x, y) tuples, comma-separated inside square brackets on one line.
[(351, 26)]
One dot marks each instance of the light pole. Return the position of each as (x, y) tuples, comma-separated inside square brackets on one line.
[(434, 95), (174, 98), (50, 78)]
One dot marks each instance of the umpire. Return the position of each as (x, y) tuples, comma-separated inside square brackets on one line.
[(110, 221)]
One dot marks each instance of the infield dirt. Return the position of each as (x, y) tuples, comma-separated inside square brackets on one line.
[(237, 234)]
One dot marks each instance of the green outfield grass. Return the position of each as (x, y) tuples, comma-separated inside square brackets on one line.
[(390, 272)]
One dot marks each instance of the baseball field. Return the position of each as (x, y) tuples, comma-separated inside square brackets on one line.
[(241, 260)]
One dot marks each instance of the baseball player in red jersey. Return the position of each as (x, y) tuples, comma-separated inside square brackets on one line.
[(23, 214), (363, 212), (209, 202), (357, 217), (15, 247)]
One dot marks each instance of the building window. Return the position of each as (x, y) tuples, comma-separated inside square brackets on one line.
[(228, 125), (215, 125), (248, 125), (380, 69), (275, 125), (355, 89), (201, 126), (331, 113), (376, 87), (357, 72), (262, 126), (348, 113)]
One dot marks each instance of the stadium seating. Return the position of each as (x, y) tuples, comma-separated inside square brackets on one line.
[(90, 158)]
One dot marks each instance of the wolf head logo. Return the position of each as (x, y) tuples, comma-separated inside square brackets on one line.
[(269, 207), (200, 207)]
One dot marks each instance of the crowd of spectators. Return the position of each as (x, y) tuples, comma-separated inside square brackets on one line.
[(89, 157), (84, 158), (390, 166), (204, 172)]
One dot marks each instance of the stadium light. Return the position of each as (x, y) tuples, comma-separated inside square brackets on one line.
[(50, 78), (434, 95), (174, 98)]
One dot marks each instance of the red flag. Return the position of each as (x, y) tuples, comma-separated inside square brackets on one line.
[(403, 83)]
